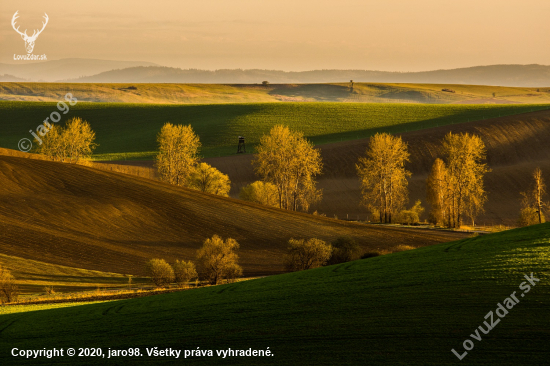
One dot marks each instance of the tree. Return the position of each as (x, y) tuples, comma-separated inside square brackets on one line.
[(208, 179), (533, 200), (219, 260), (178, 153), (264, 193), (184, 272), (265, 83), (465, 172), (383, 175), (161, 272), (344, 249), (529, 216), (290, 162), (438, 193), (74, 142), (306, 254), (9, 291)]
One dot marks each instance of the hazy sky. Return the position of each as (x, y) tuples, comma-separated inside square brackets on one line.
[(393, 35)]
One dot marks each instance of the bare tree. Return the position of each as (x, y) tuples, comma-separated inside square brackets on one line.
[(533, 200), (383, 175), (219, 260), (178, 153)]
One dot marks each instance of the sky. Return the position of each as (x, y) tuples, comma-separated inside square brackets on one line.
[(290, 35)]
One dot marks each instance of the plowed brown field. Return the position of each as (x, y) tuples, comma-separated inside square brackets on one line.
[(87, 218)]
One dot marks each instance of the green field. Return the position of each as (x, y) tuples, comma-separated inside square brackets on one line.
[(128, 131), (407, 308)]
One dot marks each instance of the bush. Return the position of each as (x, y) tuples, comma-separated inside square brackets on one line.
[(161, 272), (9, 292), (305, 254), (184, 272), (208, 179), (219, 260), (264, 193), (344, 249), (529, 216), (411, 216)]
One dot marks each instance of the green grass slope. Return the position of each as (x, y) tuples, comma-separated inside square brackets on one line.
[(408, 308), (128, 131)]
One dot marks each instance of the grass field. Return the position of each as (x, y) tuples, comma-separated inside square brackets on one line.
[(128, 131), (408, 308), (253, 93)]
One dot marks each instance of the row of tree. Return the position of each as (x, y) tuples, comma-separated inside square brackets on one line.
[(218, 258), (178, 162), (455, 185)]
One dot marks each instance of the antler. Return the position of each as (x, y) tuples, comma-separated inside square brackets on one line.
[(13, 24), (34, 35)]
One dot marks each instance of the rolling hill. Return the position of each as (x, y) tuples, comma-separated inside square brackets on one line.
[(408, 308), (128, 131), (516, 145), (81, 217), (505, 75), (171, 93)]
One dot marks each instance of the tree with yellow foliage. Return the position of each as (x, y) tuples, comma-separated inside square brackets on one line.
[(464, 155), (287, 160), (178, 153), (383, 175), (208, 179)]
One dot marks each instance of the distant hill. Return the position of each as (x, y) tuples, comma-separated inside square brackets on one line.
[(64, 69), (503, 75), (10, 78)]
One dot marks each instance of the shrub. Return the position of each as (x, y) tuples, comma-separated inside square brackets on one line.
[(344, 249), (161, 272), (184, 272), (219, 260), (9, 291), (264, 193), (305, 254), (529, 216), (208, 179), (411, 216)]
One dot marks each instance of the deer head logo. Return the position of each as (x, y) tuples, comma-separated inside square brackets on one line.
[(29, 41)]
